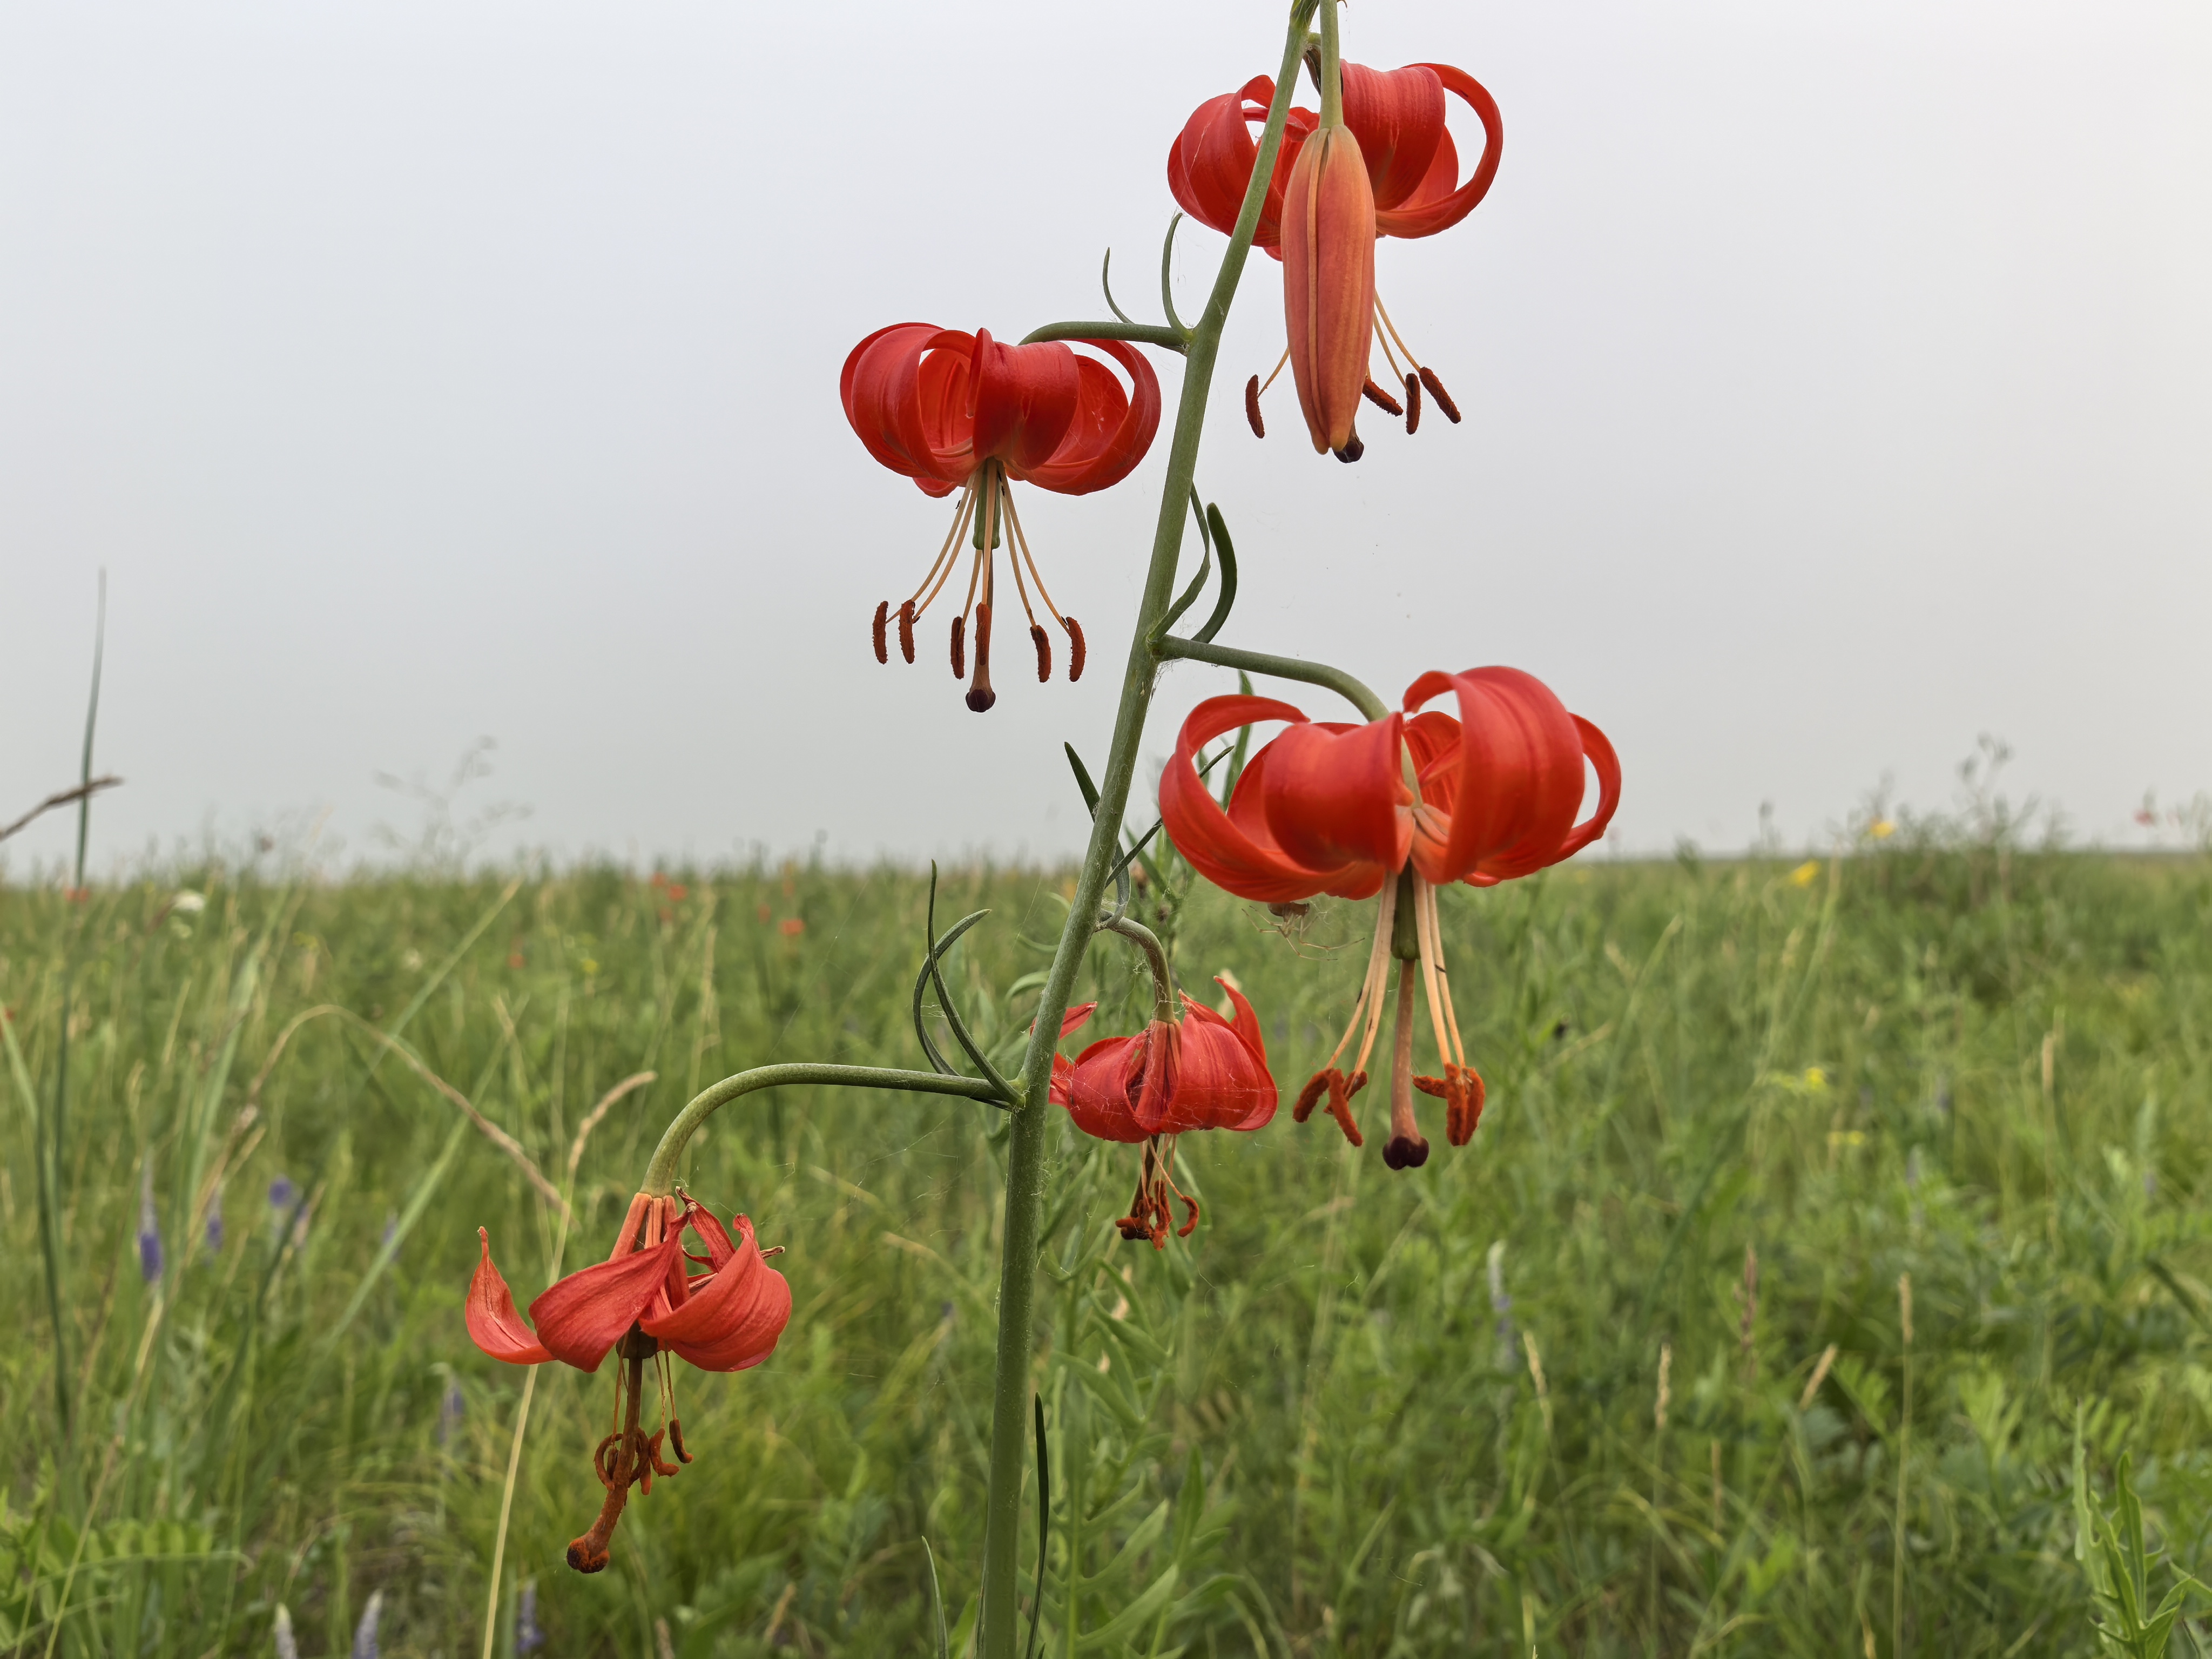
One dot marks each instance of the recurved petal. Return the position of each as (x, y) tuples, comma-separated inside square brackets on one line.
[(586, 1313), (494, 1325), (1223, 1082), (1210, 164), (733, 1316), (1398, 116), (1435, 205), (1023, 397), (901, 401), (1599, 748), (1097, 1092), (1235, 852), (1336, 795), (1111, 429), (1503, 810)]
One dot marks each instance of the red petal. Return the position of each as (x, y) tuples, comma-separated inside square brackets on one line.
[(586, 1313), (1336, 795), (1504, 805), (734, 1315), (1210, 164), (1435, 205), (1237, 857), (1599, 748), (494, 1325), (1398, 116), (1024, 398), (1097, 1093), (905, 392), (1223, 1081), (1111, 428)]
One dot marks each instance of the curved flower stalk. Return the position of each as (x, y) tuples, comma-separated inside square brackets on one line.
[(1197, 1071), (953, 411), (640, 1304), (1393, 810), (1398, 120)]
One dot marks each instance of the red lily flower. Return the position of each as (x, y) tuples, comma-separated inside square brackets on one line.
[(640, 1303), (1397, 118), (1201, 1072), (1325, 807), (955, 411)]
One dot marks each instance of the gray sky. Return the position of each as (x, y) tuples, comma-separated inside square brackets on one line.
[(1838, 382)]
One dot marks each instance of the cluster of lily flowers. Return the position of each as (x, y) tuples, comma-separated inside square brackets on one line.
[(1389, 811)]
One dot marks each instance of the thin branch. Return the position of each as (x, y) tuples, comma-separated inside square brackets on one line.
[(83, 791)]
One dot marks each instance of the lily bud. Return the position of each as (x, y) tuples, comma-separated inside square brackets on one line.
[(1329, 282)]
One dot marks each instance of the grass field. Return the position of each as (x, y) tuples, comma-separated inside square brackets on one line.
[(1628, 1375)]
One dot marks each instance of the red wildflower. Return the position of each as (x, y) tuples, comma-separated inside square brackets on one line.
[(1325, 807), (1200, 1071), (955, 411), (1396, 119), (641, 1303)]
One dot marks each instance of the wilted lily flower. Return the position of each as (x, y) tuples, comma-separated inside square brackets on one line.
[(1326, 807), (955, 411), (1200, 1071), (1396, 121), (641, 1303)]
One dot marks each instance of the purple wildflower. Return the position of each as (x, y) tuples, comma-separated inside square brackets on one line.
[(528, 1638), (149, 1229)]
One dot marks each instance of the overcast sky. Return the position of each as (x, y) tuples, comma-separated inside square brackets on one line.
[(1838, 381)]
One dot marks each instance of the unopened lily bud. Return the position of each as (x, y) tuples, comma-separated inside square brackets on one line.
[(1329, 282)]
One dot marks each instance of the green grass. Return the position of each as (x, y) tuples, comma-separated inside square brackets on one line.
[(1315, 1427)]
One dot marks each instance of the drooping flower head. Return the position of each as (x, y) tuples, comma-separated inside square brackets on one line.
[(962, 411), (1201, 1071), (640, 1304), (1396, 121), (1326, 807)]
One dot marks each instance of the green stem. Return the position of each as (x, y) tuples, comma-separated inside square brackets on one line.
[(1332, 71), (661, 1173), (1143, 333), (1165, 1006), (1282, 668), (1011, 1387)]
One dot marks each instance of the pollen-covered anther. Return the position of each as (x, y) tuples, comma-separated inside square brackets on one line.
[(1443, 397), (960, 647), (675, 1441), (1075, 654), (883, 622), (1040, 639), (1338, 1090), (1382, 399), (1252, 407), (1412, 404), (906, 631)]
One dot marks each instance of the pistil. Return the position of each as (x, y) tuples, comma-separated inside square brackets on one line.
[(1407, 1149)]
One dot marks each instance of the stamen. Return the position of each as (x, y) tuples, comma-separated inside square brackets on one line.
[(1443, 982), (959, 648), (675, 1440), (1382, 339), (1443, 397), (1014, 563), (1431, 974), (1022, 541), (1279, 362), (1382, 399), (979, 695), (1382, 311), (882, 621), (1412, 404), (906, 631), (946, 558), (1252, 407), (1044, 643), (1075, 648)]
